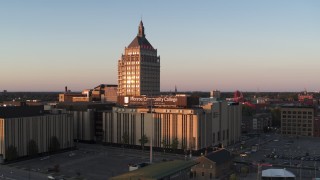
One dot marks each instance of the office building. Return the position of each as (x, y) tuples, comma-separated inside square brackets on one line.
[(21, 125), (87, 117), (193, 128), (139, 68), (297, 120)]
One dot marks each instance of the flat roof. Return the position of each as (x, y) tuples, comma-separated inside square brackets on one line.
[(83, 106), (297, 106), (157, 171), (277, 173), (21, 111)]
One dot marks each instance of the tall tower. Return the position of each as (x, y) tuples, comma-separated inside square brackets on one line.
[(139, 68)]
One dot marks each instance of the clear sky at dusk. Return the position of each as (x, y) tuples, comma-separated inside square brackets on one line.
[(227, 45)]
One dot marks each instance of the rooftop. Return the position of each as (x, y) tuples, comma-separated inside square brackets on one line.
[(140, 40), (157, 171), (82, 106), (21, 111), (277, 173), (220, 156)]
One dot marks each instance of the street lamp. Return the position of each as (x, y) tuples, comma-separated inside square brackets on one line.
[(315, 169), (151, 138), (300, 167)]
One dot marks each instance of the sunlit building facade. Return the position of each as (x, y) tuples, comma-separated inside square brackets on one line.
[(139, 68), (193, 128), (20, 125)]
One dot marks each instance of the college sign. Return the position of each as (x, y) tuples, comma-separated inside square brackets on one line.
[(175, 101)]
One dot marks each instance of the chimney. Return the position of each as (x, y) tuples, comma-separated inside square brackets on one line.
[(66, 89)]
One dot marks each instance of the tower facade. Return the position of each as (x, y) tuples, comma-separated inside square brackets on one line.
[(139, 68)]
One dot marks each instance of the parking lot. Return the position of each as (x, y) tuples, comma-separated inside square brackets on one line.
[(300, 155), (90, 161), (93, 161)]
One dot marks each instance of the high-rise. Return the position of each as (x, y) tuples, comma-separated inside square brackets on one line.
[(139, 68)]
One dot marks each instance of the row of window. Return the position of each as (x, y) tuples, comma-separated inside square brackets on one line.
[(224, 134), (132, 62), (296, 125), (298, 133), (299, 117), (130, 77), (132, 67), (297, 121), (298, 129), (193, 174), (296, 112), (133, 73)]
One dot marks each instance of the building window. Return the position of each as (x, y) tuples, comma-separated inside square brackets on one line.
[(213, 138), (191, 175), (223, 135)]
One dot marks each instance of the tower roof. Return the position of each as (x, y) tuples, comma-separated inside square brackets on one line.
[(140, 40)]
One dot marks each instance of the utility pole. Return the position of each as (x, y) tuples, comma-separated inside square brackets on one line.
[(315, 169), (151, 137), (258, 174), (300, 168)]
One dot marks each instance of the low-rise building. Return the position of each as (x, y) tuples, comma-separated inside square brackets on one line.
[(174, 170), (101, 93), (212, 165), (261, 121)]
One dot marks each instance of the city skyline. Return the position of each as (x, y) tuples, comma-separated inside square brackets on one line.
[(247, 45)]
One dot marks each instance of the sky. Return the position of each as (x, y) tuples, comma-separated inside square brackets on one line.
[(245, 45)]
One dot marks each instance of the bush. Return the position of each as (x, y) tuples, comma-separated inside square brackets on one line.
[(32, 148), (11, 153), (54, 144)]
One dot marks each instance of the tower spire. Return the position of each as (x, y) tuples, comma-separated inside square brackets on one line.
[(141, 30)]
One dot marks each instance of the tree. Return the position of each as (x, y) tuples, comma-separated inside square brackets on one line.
[(165, 145), (54, 144), (11, 153), (125, 139), (143, 141), (32, 148), (244, 170), (233, 177), (175, 143), (248, 111)]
